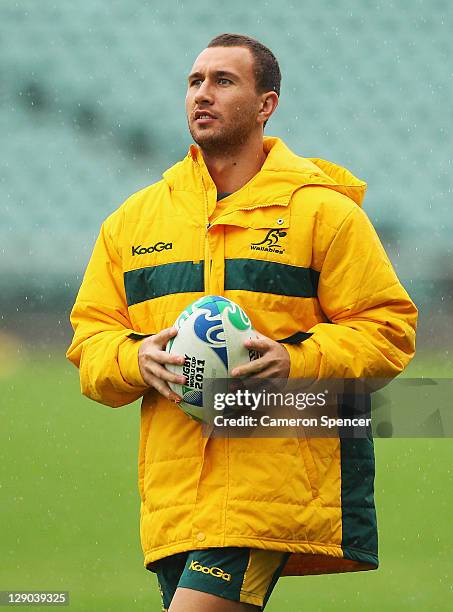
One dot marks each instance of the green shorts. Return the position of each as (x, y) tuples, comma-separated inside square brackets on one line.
[(247, 575)]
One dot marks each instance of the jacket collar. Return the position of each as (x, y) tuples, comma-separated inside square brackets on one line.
[(282, 173)]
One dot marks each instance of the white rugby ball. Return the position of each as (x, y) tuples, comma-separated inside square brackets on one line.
[(211, 335)]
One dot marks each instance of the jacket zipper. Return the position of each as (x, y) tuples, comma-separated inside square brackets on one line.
[(261, 206), (207, 255), (207, 262)]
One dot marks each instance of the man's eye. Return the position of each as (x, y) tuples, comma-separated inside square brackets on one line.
[(195, 82), (223, 81)]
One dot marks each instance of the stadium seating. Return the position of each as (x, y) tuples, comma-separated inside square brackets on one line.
[(92, 109)]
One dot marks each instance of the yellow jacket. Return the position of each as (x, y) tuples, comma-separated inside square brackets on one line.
[(294, 248)]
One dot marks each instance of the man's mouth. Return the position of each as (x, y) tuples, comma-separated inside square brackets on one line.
[(203, 118)]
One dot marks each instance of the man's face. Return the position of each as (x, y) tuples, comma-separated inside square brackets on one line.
[(222, 103)]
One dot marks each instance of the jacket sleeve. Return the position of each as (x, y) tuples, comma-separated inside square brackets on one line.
[(101, 349), (372, 320)]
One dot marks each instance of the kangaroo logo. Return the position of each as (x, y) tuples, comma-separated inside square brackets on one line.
[(270, 242)]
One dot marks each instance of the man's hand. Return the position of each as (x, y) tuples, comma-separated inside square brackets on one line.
[(273, 363), (152, 359)]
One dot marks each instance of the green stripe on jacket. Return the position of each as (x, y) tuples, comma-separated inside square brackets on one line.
[(270, 277), (359, 526), (156, 281), (240, 274)]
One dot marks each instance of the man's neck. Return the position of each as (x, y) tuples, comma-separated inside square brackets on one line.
[(233, 169)]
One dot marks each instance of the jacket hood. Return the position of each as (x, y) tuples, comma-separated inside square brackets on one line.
[(282, 173)]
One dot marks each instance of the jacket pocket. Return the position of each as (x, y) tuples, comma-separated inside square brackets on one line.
[(310, 466), (147, 411)]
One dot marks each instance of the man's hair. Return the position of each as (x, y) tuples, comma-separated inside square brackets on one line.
[(266, 68)]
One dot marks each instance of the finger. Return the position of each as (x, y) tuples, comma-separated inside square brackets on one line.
[(164, 335), (250, 368), (265, 374), (165, 358), (260, 344), (164, 374), (162, 387)]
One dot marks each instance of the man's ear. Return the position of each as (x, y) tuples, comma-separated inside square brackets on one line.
[(269, 102)]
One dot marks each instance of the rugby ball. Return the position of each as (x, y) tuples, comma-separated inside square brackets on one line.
[(211, 335)]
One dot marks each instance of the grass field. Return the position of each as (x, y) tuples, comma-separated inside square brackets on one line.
[(69, 506)]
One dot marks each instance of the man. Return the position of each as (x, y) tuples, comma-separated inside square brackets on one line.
[(285, 237)]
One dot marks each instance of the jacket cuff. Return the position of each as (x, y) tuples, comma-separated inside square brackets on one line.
[(305, 359), (128, 362)]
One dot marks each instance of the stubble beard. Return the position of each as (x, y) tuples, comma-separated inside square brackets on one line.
[(225, 140)]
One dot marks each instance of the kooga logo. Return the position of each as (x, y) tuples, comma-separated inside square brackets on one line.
[(155, 248), (214, 571)]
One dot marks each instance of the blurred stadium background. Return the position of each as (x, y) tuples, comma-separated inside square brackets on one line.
[(91, 110)]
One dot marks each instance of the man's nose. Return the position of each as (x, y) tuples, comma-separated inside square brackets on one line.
[(204, 93)]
